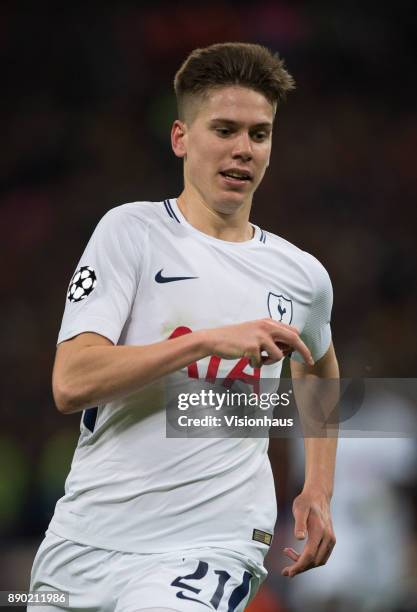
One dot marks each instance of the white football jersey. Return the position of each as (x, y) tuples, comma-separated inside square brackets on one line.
[(147, 274)]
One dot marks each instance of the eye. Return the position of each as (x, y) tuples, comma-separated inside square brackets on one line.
[(223, 131), (260, 136)]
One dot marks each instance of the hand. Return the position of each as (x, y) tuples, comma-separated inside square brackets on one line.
[(311, 512), (253, 338)]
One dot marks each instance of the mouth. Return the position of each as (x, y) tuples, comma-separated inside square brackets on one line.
[(236, 177)]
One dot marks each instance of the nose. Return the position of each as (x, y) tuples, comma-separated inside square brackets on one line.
[(242, 147)]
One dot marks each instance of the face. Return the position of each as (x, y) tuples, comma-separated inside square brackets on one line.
[(226, 146)]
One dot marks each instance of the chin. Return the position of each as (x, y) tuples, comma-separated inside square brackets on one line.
[(227, 204)]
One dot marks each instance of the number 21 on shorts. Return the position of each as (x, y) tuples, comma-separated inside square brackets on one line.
[(219, 592)]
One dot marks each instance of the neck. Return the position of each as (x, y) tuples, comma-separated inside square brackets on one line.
[(232, 227)]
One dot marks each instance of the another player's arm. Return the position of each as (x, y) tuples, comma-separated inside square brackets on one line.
[(90, 370), (311, 508)]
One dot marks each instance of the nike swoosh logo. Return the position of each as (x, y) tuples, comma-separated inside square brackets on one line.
[(181, 595), (170, 279)]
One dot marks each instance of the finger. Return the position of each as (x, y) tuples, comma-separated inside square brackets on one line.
[(285, 348), (298, 568), (254, 357), (290, 335), (304, 562), (292, 554), (304, 351), (328, 553), (279, 325), (274, 353), (308, 557), (293, 339), (301, 517), (324, 551)]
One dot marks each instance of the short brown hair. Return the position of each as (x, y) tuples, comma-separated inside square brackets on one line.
[(249, 65)]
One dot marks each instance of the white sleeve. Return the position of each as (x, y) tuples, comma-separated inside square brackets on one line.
[(316, 333), (104, 285)]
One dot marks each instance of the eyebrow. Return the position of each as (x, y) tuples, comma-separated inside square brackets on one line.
[(231, 123)]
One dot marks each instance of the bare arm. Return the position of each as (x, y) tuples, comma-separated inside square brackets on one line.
[(320, 452), (311, 508), (90, 370)]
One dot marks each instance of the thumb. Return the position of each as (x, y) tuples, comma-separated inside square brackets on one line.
[(300, 516)]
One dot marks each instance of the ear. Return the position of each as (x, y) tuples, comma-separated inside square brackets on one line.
[(178, 138)]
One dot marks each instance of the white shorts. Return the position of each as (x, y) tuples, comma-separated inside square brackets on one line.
[(112, 581)]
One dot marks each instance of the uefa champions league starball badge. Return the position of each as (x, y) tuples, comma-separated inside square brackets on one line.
[(82, 284)]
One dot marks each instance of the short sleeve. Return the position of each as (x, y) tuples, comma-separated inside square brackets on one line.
[(316, 333), (104, 286)]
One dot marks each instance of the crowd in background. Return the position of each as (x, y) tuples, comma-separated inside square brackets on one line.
[(87, 104)]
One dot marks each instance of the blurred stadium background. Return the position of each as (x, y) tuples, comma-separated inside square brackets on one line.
[(86, 109)]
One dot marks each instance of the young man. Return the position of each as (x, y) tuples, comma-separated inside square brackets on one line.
[(187, 288)]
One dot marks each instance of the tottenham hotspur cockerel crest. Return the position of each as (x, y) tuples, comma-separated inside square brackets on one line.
[(280, 308)]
